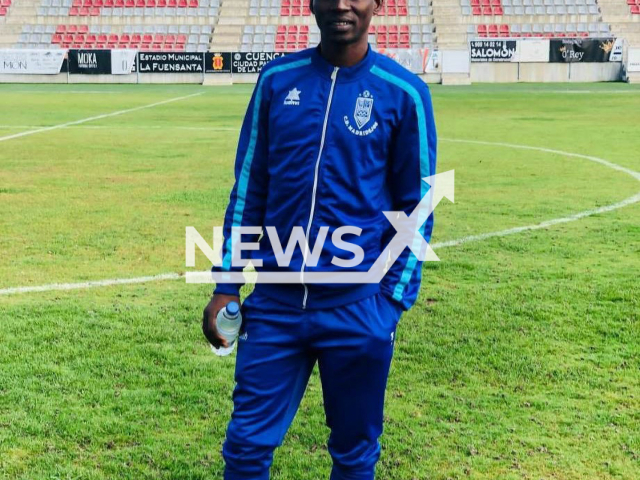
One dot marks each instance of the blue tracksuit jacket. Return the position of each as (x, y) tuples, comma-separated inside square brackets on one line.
[(332, 146)]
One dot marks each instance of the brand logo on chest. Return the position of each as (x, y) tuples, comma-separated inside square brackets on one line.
[(362, 115)]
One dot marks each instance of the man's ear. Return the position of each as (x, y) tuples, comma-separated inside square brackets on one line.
[(378, 6)]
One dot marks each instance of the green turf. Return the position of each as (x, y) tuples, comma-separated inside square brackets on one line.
[(521, 359)]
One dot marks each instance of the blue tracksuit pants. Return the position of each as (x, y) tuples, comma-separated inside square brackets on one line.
[(277, 349)]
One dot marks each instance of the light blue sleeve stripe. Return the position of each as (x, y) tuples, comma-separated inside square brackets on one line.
[(412, 261), (243, 180)]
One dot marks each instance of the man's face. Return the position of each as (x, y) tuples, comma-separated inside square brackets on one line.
[(343, 21)]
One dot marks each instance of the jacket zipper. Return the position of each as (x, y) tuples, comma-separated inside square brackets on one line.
[(334, 74)]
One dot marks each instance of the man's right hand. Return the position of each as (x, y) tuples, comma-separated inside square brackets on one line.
[(209, 315)]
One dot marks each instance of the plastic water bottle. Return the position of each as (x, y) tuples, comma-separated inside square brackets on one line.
[(228, 323)]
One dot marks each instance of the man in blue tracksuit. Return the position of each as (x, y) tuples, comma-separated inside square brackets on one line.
[(333, 136)]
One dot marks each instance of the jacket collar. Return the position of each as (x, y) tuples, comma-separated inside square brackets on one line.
[(345, 74)]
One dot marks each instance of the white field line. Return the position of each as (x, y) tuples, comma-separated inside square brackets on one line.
[(601, 161), (451, 243), (97, 117), (545, 224), (67, 91), (128, 127), (97, 283)]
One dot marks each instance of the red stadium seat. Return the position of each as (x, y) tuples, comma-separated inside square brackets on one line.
[(91, 39), (372, 29), (61, 29), (487, 11), (182, 40), (493, 30), (56, 38), (150, 3), (392, 29), (72, 29), (404, 28), (392, 12), (292, 38), (303, 38), (382, 40), (78, 38), (285, 11), (382, 29), (281, 29), (404, 40), (172, 3), (161, 3), (74, 12), (182, 3), (280, 38), (102, 38), (498, 11), (296, 11), (98, 3), (305, 10), (293, 29), (158, 38), (476, 11), (635, 10), (193, 3), (504, 28), (290, 48), (303, 29), (136, 38), (68, 38), (286, 3), (170, 40), (147, 39)]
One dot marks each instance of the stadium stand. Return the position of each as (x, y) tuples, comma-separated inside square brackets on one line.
[(4, 7), (161, 25), (532, 18), (287, 25)]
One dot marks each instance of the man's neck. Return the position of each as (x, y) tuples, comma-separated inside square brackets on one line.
[(344, 55)]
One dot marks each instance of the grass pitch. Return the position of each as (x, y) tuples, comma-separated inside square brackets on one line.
[(521, 359)]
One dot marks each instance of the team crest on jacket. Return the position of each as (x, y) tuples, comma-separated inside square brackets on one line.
[(362, 115)]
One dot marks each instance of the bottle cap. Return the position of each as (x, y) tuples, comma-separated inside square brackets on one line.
[(233, 308)]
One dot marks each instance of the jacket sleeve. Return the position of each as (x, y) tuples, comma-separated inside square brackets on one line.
[(247, 201), (412, 157)]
